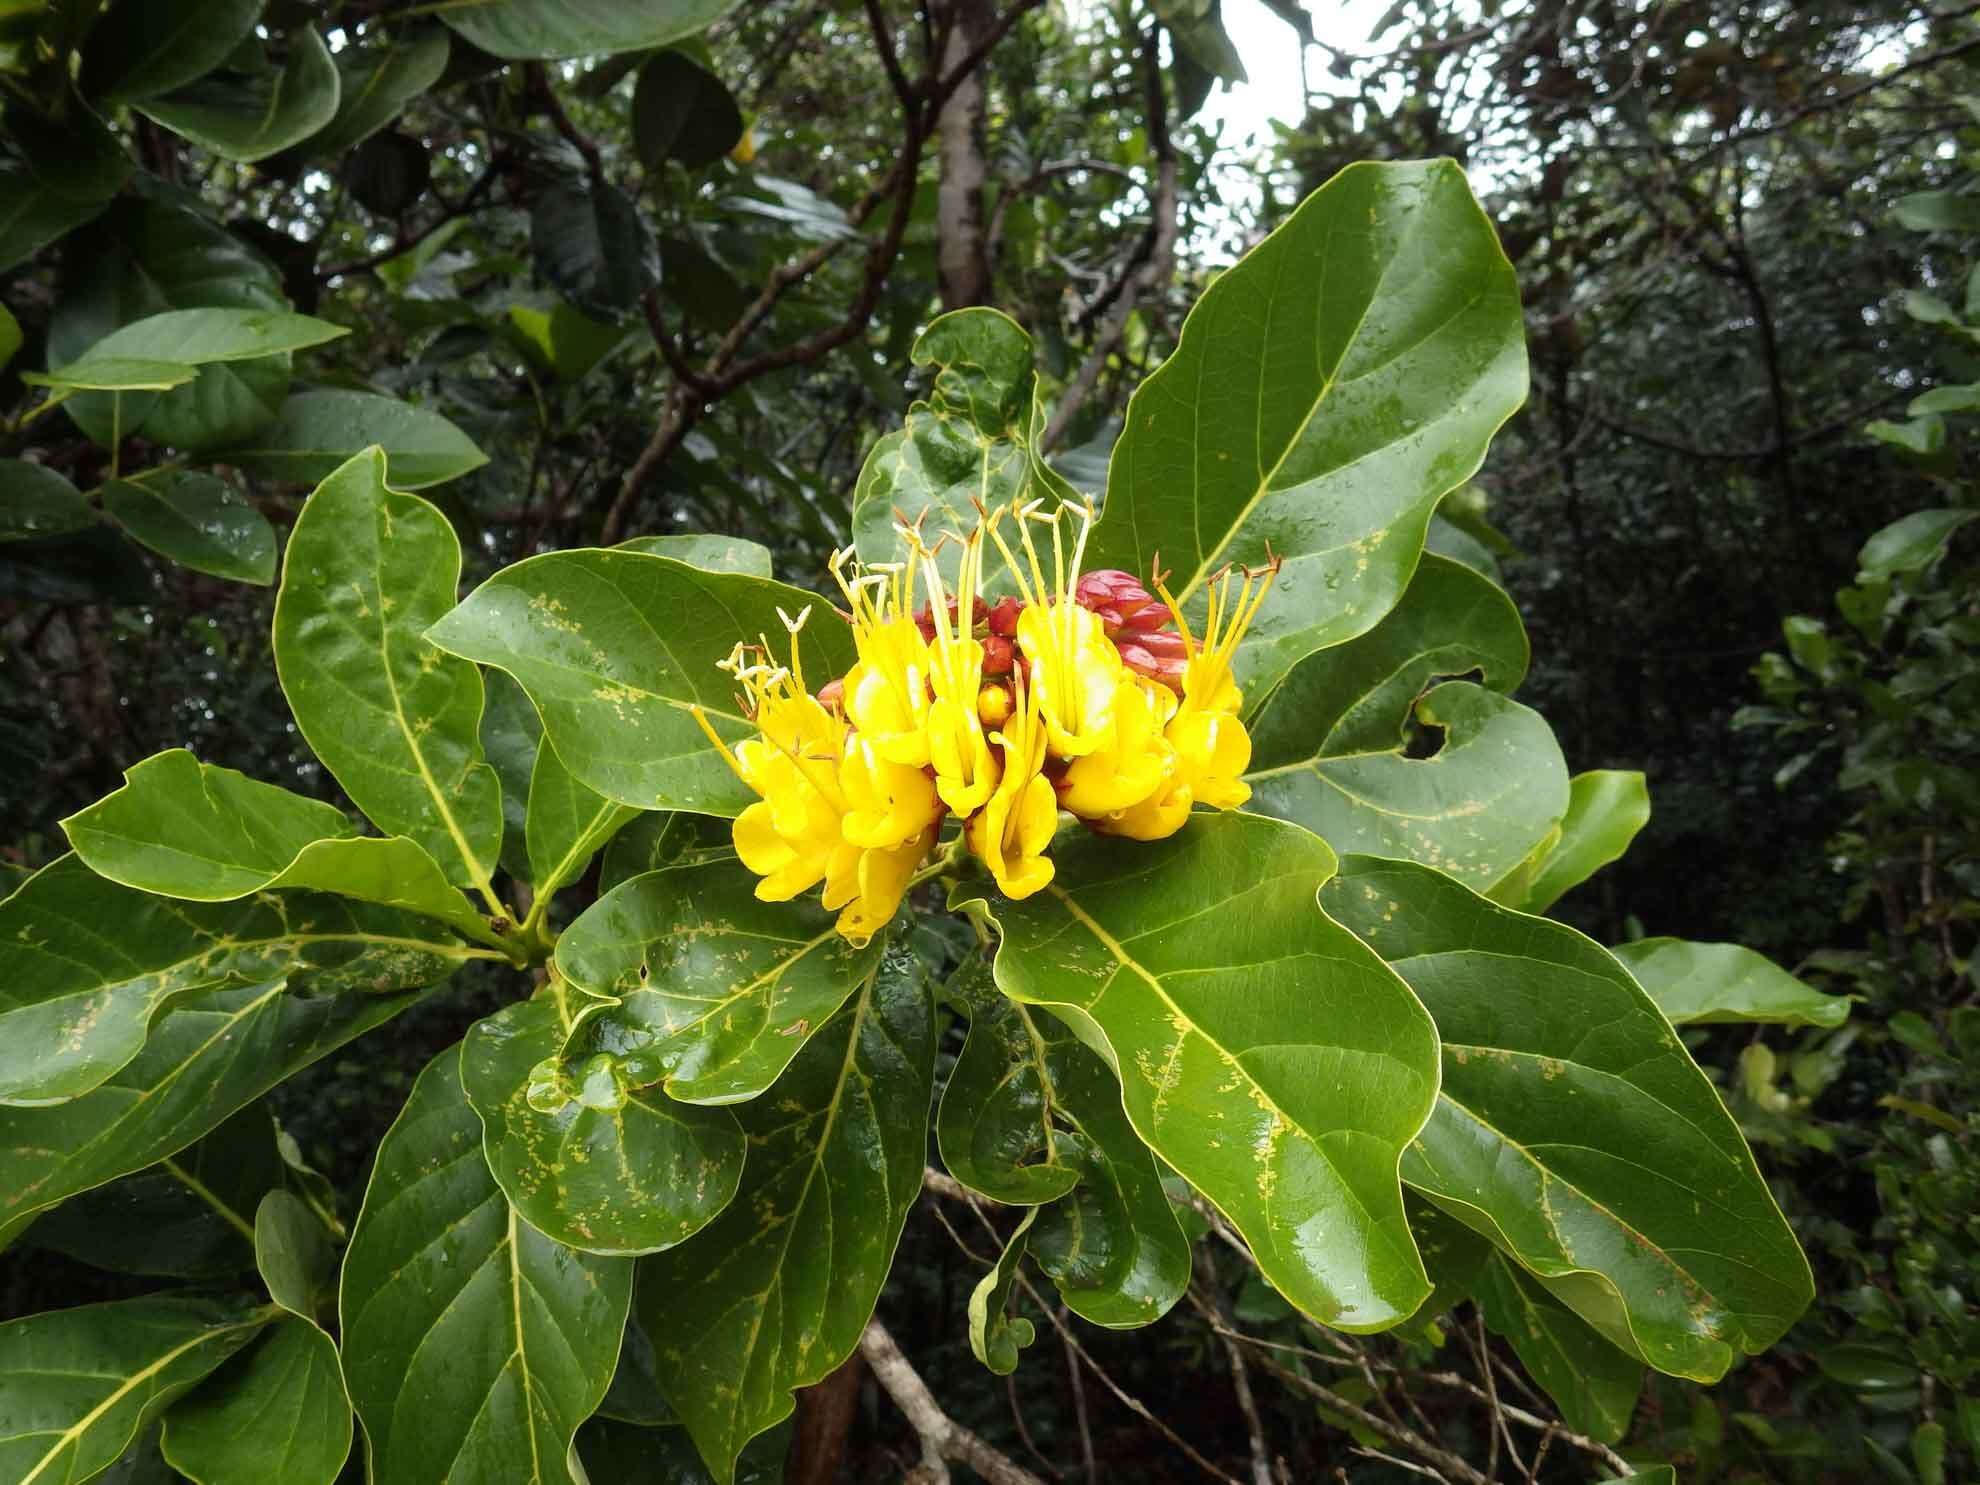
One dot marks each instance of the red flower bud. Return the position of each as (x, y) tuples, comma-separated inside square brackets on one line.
[(1161, 656), (1120, 600), (1003, 617), (998, 655)]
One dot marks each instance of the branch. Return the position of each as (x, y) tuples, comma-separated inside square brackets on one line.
[(540, 89), (1395, 1433), (470, 201), (1210, 1310), (942, 1438)]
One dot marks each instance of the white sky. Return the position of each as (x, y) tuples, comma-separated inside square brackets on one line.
[(1270, 51)]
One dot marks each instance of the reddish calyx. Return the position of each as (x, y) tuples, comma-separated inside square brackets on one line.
[(1137, 622)]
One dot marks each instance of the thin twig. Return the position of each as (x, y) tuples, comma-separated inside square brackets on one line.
[(1395, 1433), (1210, 1307), (942, 1438), (1086, 1457)]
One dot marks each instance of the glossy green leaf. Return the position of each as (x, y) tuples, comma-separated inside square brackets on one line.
[(35, 501), (141, 48), (510, 736), (715, 989), (376, 83), (566, 341), (1325, 393), (473, 1345), (78, 1386), (10, 336), (196, 520), (658, 838), (315, 433), (585, 1153), (566, 823), (706, 550), (394, 718), (682, 112), (1032, 1116), (1473, 809), (75, 1003), (1606, 808), (202, 1061), (67, 174), (635, 1395), (1695, 983), (1268, 1056), (545, 29), (1912, 542), (193, 830), (250, 116), (114, 374), (995, 1335), (973, 440), (146, 257), (1593, 1384), (1574, 1130), (190, 1216), (276, 1412), (141, 1464), (773, 1294), (590, 241), (615, 647), (293, 1253)]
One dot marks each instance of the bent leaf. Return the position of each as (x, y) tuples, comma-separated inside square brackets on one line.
[(971, 443), (586, 1157), (36, 501), (1593, 1384), (1474, 809), (715, 989), (1711, 984), (473, 1345), (142, 48), (615, 647), (565, 823), (315, 433), (276, 1412), (706, 550), (81, 1384), (1263, 1051), (995, 1335), (1576, 1133), (395, 719), (774, 1293), (547, 29), (1326, 392), (375, 83), (249, 117), (75, 1003), (1606, 808)]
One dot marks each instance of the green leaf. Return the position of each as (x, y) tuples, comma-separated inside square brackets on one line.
[(1575, 1132), (376, 83), (473, 1345), (1866, 1368), (141, 48), (774, 1293), (566, 341), (510, 736), (616, 1453), (658, 838), (972, 440), (1944, 399), (586, 1155), (246, 356), (68, 173), (275, 1412), (317, 432), (714, 990), (81, 1385), (190, 1216), (1912, 542), (1032, 1116), (114, 374), (75, 1003), (395, 719), (193, 830), (1474, 809), (995, 1335), (1923, 437), (197, 521), (203, 1060), (1325, 394), (682, 112), (1197, 27), (293, 1253), (1695, 983), (566, 824), (1593, 1384), (10, 336), (707, 551), (590, 241), (1606, 808), (1274, 1061), (251, 116), (616, 647), (635, 1396), (38, 502), (1938, 211), (546, 29)]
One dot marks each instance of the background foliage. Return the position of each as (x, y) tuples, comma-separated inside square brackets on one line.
[(670, 291)]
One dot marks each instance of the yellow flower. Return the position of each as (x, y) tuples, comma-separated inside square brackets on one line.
[(1010, 833), (1075, 669), (887, 804), (965, 770), (887, 692), (869, 886), (1207, 682), (1140, 763), (1212, 752)]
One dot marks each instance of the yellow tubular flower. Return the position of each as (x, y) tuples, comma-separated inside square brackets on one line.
[(965, 770), (887, 804), (1141, 762), (1207, 682), (870, 887), (790, 836), (887, 691), (1075, 669), (1010, 833)]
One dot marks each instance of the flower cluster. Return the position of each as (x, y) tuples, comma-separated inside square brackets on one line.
[(1080, 692)]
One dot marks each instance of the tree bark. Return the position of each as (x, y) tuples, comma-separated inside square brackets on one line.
[(962, 255)]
